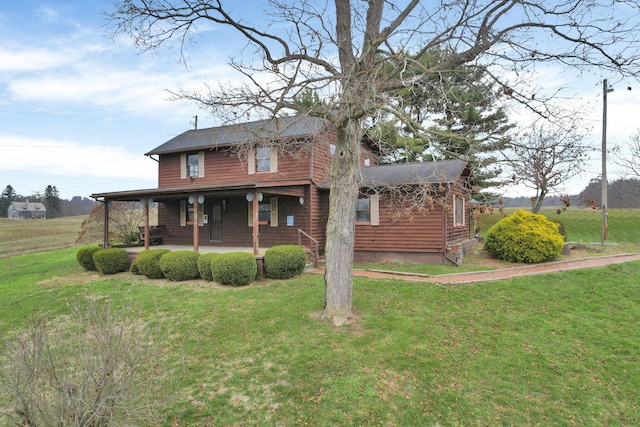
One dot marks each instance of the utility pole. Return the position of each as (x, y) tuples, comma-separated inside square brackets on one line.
[(605, 212)]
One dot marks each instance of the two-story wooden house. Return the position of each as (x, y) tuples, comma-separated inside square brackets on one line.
[(266, 183)]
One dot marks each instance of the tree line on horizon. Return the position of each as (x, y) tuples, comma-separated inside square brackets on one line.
[(50, 198)]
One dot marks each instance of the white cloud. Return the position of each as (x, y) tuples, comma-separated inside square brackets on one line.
[(64, 158)]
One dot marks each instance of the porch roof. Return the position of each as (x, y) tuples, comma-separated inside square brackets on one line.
[(293, 188)]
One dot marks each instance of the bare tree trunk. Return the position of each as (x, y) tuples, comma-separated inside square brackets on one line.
[(345, 183)]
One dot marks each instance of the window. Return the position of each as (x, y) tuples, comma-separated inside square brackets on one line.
[(363, 214), (458, 210), (192, 164), (267, 211), (368, 210), (332, 149), (367, 162), (263, 159)]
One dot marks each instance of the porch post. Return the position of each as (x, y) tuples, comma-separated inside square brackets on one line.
[(105, 229), (146, 223), (196, 232), (256, 225)]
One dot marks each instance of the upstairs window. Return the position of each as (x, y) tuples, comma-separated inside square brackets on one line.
[(192, 165), (263, 159)]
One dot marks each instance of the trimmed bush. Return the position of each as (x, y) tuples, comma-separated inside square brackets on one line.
[(134, 268), (85, 257), (284, 261), (204, 265), (180, 265), (234, 268), (524, 237), (111, 261), (149, 263)]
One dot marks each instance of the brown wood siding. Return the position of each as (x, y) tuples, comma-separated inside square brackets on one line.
[(235, 228), (225, 167), (421, 233)]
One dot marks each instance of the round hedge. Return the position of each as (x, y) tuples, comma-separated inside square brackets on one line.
[(180, 265), (204, 265), (111, 261), (284, 261), (148, 263), (524, 237), (234, 268), (134, 268), (85, 257)]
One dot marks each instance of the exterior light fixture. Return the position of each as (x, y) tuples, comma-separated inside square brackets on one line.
[(260, 197), (301, 200), (191, 200), (200, 199), (249, 197)]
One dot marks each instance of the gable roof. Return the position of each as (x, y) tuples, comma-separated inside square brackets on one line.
[(224, 136), (440, 171), (28, 207)]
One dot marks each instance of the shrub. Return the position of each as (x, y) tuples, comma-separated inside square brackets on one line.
[(204, 265), (234, 268), (524, 237), (180, 265), (85, 257), (284, 261), (111, 261), (149, 263), (134, 268)]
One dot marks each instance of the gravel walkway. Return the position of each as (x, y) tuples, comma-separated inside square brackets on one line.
[(505, 273)]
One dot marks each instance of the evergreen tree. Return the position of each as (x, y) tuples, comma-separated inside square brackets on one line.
[(52, 201), (6, 198)]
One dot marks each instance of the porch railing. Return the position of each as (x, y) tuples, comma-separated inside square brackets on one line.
[(313, 249)]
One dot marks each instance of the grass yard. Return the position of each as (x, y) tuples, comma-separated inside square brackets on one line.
[(555, 349), (19, 237)]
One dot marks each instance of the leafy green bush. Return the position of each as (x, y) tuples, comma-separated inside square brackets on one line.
[(111, 261), (134, 268), (85, 257), (524, 237), (204, 265), (234, 268), (149, 263), (180, 265), (284, 261)]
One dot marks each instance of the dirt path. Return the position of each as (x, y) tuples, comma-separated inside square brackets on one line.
[(505, 273)]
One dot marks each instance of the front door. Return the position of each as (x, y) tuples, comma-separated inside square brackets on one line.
[(215, 223)]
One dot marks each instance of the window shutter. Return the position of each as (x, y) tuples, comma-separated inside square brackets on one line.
[(200, 209), (201, 164), (274, 160), (274, 212), (250, 214), (183, 166), (374, 207), (251, 161), (183, 213)]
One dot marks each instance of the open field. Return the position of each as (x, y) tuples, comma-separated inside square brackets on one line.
[(27, 236), (554, 349)]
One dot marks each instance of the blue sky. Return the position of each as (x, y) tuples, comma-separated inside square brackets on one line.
[(78, 110)]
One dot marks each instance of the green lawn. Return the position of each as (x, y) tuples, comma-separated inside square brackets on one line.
[(541, 350)]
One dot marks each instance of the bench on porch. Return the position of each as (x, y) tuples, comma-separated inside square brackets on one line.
[(156, 234)]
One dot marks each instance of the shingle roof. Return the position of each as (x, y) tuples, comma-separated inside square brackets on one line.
[(440, 171), (29, 207), (224, 136)]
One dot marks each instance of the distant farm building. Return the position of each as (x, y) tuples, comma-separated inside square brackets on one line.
[(26, 210)]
